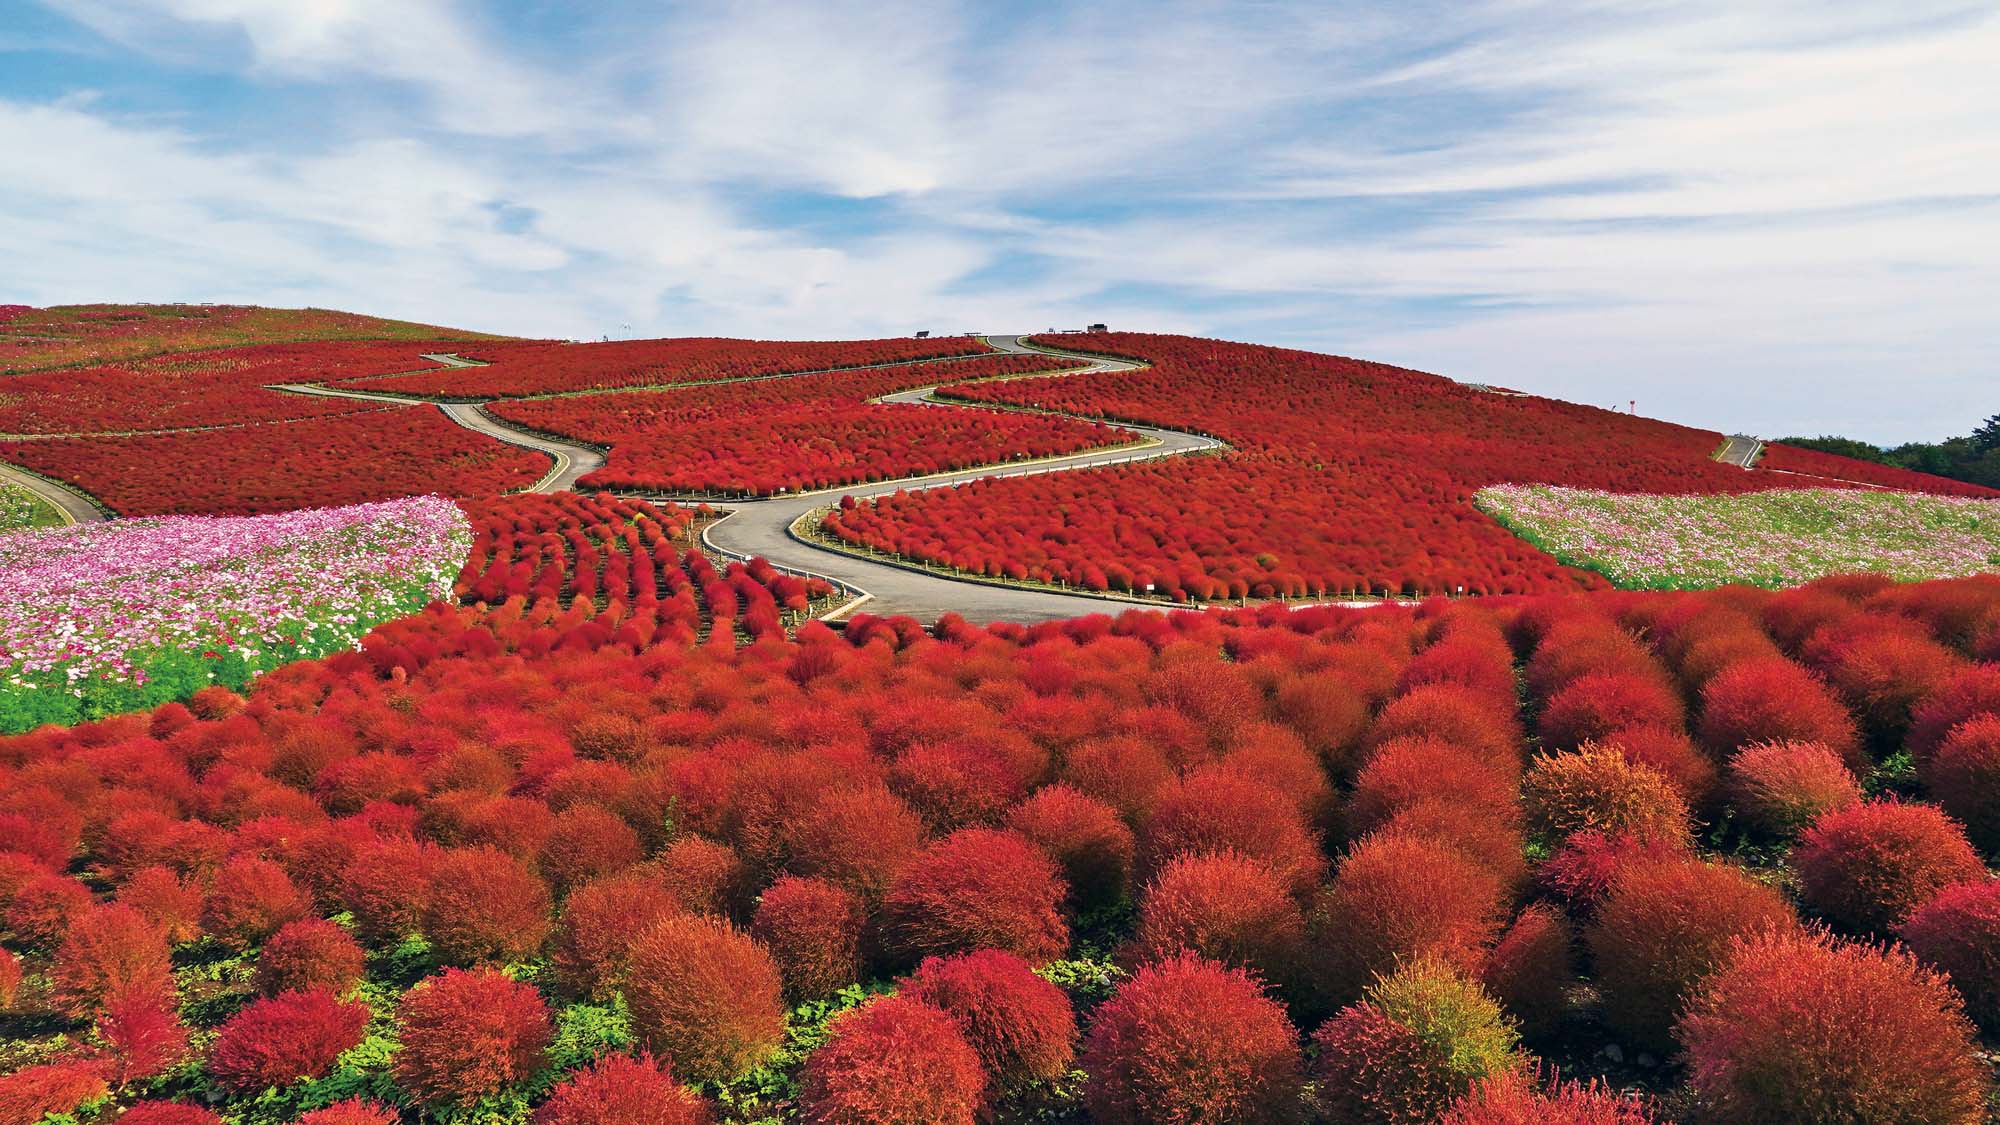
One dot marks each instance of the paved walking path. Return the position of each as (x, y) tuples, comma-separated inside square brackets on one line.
[(71, 504), (1740, 450)]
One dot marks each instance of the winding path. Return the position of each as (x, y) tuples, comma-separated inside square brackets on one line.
[(72, 505), (1740, 450), (764, 526)]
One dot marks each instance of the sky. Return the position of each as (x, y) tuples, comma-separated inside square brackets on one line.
[(1774, 217)]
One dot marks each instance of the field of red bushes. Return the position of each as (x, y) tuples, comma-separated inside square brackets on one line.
[(803, 432), (569, 853), (530, 368), (373, 454), (218, 387), (1348, 477), (71, 335)]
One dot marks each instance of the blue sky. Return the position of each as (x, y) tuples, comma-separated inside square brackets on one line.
[(1776, 217)]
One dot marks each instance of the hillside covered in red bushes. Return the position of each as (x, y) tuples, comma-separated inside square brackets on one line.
[(1348, 477), (574, 851)]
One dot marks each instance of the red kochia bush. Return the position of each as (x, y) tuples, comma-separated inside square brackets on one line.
[(386, 887), (1964, 777), (43, 906), (1594, 706), (484, 905), (1186, 1041), (859, 839), (144, 1034), (309, 953), (707, 876), (353, 1111), (599, 921), (1531, 967), (1216, 809), (705, 996), (1396, 897), (1404, 771), (1802, 1027), (1974, 691), (285, 1038), (108, 951), (812, 929), (468, 1034), (618, 1089), (250, 900), (1772, 699), (1513, 1097), (1663, 927), (587, 842), (1780, 787), (1020, 1024), (32, 1092), (1958, 931), (1086, 837), (168, 1113), (172, 903), (978, 888), (1600, 790), (1866, 867), (1226, 908), (10, 978), (893, 1061)]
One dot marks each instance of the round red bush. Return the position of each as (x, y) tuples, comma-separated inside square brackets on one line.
[(1964, 777), (1771, 699), (168, 1113), (143, 1033), (1594, 706), (172, 902), (1226, 908), (1973, 691), (386, 887), (1958, 932), (1662, 928), (1802, 1027), (587, 842), (1123, 771), (1674, 756), (109, 950), (33, 1092), (1086, 838), (1215, 810), (705, 997), (468, 1034), (42, 908), (1187, 1041), (1600, 790), (599, 921), (250, 899), (1867, 866), (1453, 714), (978, 888), (618, 1089), (1395, 897), (485, 905), (1405, 771), (1021, 1025), (1781, 787), (309, 953), (1531, 968), (707, 876), (282, 1039), (812, 929), (859, 839), (893, 1061)]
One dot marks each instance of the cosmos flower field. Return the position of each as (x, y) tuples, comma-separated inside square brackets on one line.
[(521, 808), (1778, 538)]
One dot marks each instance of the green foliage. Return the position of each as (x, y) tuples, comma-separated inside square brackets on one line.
[(1974, 458), (1451, 1015), (763, 1094), (585, 1031), (1087, 981)]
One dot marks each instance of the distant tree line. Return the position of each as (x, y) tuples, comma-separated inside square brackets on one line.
[(1974, 458)]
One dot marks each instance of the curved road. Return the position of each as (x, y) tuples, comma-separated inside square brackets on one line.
[(763, 527), (71, 504)]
